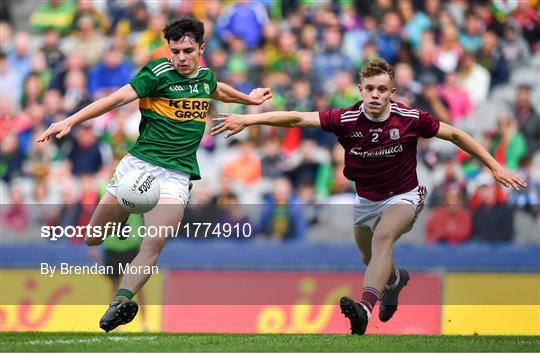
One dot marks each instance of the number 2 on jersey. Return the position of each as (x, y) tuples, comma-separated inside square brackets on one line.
[(375, 138)]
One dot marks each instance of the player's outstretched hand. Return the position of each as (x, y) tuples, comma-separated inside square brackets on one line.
[(260, 95), (61, 129), (234, 123), (507, 178)]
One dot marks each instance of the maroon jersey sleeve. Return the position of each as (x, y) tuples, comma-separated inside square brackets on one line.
[(331, 120), (428, 125)]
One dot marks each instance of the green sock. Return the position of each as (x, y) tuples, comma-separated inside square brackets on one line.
[(124, 293)]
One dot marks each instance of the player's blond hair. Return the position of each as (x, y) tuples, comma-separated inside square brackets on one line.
[(377, 67)]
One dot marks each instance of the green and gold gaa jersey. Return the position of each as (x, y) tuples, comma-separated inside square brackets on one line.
[(174, 109)]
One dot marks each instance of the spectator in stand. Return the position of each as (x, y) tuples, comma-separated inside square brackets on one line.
[(507, 145), (389, 39), (306, 72), (89, 198), (57, 14), (355, 39), (491, 57), (330, 172), (211, 38), (345, 93), (528, 120), (308, 37), (71, 207), (452, 179), (528, 199), (32, 90), (6, 36), (300, 96), (271, 34), (281, 218), (86, 8), (528, 19), (416, 22), (41, 158), (218, 62), (304, 163), (10, 83), (407, 89), (85, 155), (51, 48), (272, 160), (492, 220), (73, 62), (430, 101), (152, 38), (39, 67), (285, 58), (449, 50), (474, 78), (53, 104), (348, 17), (110, 74), (331, 59), (11, 157), (245, 167), (35, 113), (88, 40), (450, 222), (230, 211), (244, 19), (459, 102), (514, 47), (425, 63), (76, 94), (471, 36), (16, 216), (19, 57)]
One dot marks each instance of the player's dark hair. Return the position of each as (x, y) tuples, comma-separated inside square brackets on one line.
[(377, 67), (184, 27)]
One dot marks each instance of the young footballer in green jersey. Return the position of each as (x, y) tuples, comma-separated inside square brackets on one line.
[(174, 102)]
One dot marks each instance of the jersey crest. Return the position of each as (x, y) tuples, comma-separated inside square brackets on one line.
[(394, 134)]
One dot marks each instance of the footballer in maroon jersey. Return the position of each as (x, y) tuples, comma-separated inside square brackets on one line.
[(380, 138), (380, 153)]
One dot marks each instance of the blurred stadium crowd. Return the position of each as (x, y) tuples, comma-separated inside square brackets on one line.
[(472, 64)]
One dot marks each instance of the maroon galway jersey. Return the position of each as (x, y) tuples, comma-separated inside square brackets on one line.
[(380, 156)]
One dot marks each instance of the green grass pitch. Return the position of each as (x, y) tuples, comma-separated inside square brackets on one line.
[(161, 342)]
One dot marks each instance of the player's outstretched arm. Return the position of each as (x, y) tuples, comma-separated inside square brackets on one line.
[(235, 123), (465, 142), (116, 99), (228, 94)]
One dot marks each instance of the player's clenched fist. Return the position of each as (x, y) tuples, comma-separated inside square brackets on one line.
[(61, 129), (260, 95)]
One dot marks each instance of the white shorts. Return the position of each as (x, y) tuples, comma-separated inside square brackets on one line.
[(172, 184), (367, 213)]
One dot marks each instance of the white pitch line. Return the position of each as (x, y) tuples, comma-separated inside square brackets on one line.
[(89, 340)]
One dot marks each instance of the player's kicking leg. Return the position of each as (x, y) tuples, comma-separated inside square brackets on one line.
[(123, 309), (107, 211), (377, 254)]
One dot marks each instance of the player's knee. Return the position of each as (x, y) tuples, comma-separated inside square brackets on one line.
[(382, 239), (152, 249)]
